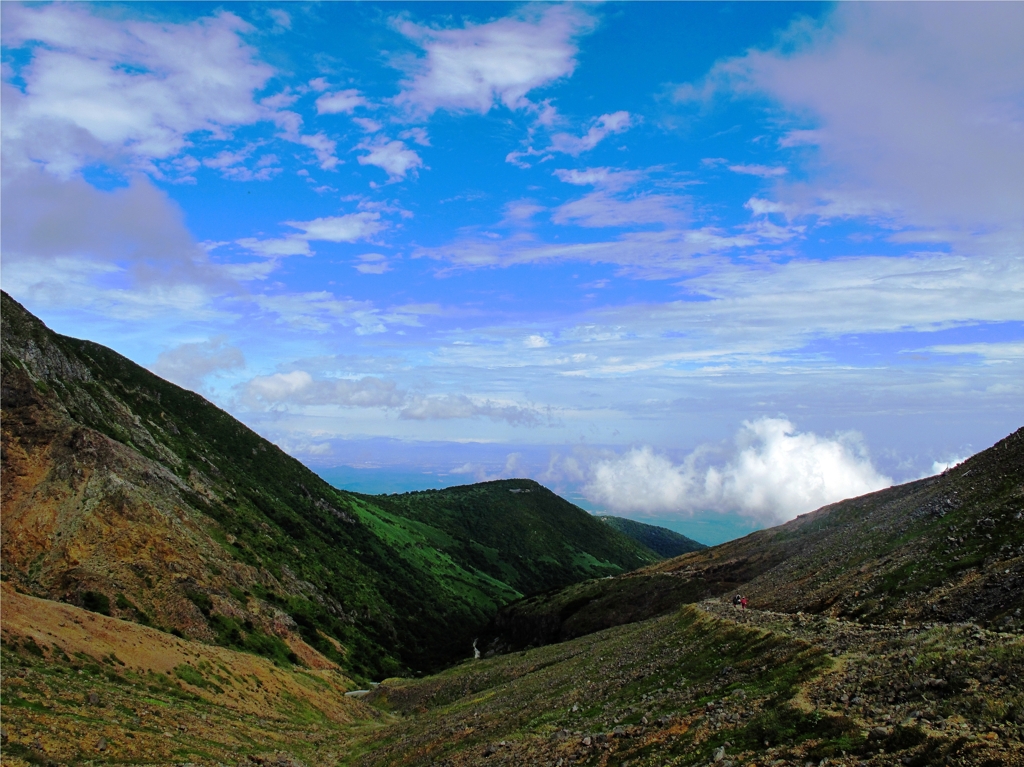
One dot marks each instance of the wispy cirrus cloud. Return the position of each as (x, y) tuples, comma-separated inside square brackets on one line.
[(603, 126), (321, 311), (299, 388), (189, 364), (762, 171), (451, 406), (350, 227), (650, 254), (572, 145), (610, 204)]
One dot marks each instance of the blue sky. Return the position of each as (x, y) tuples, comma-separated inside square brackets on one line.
[(708, 264)]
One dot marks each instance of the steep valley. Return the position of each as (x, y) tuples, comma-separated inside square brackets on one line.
[(177, 590)]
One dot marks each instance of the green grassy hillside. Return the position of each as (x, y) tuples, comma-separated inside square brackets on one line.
[(662, 541), (520, 533)]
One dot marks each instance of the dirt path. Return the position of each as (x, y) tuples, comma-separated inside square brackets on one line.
[(954, 682)]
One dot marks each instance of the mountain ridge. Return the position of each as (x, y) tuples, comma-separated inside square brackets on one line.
[(667, 543)]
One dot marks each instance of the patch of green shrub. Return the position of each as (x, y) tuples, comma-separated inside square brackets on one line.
[(96, 601)]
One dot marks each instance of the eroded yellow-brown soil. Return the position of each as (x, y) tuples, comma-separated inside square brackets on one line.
[(81, 686)]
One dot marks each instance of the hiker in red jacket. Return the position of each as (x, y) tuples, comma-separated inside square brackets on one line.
[(743, 602)]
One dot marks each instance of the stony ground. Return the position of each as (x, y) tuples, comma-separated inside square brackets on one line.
[(716, 685)]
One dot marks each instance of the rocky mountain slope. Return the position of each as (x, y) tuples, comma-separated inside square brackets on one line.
[(664, 542), (949, 548), (135, 498)]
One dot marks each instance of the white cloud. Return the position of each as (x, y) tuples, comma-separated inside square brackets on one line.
[(367, 125), (602, 178), (600, 209), (351, 227), (448, 406), (605, 125), (764, 171), (323, 147), (610, 206), (98, 89), (991, 352), (320, 311), (231, 164), (514, 467), (416, 135), (940, 466), (300, 388), (567, 143), (393, 157), (136, 232), (283, 246), (189, 364), (344, 101), (281, 18), (373, 263), (651, 254), (773, 474), (110, 291), (914, 112), (474, 67)]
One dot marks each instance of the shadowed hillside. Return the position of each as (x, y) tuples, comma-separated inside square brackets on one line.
[(662, 541)]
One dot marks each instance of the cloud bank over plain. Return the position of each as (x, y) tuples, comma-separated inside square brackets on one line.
[(772, 474)]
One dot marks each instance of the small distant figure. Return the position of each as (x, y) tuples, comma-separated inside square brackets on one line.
[(743, 602), (735, 600)]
